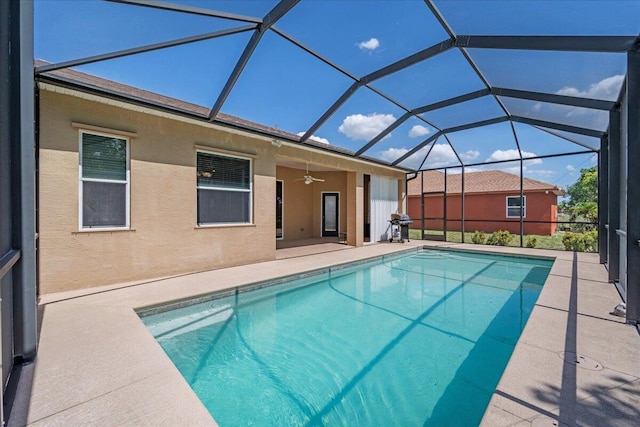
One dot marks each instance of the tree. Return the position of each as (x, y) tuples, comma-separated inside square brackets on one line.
[(583, 197)]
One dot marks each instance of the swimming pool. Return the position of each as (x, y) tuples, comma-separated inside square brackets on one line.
[(416, 340)]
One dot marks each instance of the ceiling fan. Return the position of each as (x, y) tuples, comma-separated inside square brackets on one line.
[(308, 179)]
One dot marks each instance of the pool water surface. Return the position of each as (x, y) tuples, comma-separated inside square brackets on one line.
[(416, 340)]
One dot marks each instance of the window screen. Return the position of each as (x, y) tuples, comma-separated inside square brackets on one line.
[(224, 189), (514, 206), (104, 182), (104, 204)]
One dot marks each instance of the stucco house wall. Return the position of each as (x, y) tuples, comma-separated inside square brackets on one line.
[(163, 238), (492, 207)]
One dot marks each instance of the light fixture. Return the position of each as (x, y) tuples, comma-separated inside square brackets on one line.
[(276, 143)]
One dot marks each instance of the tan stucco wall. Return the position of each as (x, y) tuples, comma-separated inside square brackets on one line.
[(297, 206), (164, 239)]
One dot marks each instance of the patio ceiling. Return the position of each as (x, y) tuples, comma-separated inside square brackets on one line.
[(288, 162), (382, 81)]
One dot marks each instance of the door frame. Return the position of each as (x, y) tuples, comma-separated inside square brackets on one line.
[(322, 193), (282, 213)]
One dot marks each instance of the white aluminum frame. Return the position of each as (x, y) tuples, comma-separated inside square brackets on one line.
[(240, 190), (523, 208), (127, 140)]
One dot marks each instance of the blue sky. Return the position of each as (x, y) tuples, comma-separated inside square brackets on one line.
[(284, 86)]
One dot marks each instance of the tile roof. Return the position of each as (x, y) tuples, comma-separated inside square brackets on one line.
[(490, 181)]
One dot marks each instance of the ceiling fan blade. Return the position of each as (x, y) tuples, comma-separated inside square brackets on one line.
[(317, 179)]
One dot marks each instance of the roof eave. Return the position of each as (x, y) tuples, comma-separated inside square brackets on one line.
[(98, 91)]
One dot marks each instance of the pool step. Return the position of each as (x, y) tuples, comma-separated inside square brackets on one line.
[(174, 327)]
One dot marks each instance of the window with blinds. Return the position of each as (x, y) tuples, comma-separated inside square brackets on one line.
[(224, 189), (104, 181), (515, 205)]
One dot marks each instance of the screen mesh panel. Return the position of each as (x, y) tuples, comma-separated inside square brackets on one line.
[(104, 204), (220, 206)]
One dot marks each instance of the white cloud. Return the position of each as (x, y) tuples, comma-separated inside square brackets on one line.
[(512, 154), (359, 126), (503, 155), (441, 155), (571, 168), (606, 88), (370, 44), (392, 154), (469, 155), (316, 138), (412, 161), (418, 130)]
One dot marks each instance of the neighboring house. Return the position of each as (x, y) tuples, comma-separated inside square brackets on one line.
[(135, 185), (491, 202)]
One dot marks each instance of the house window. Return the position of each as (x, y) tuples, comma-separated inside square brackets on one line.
[(104, 181), (224, 189), (514, 206)]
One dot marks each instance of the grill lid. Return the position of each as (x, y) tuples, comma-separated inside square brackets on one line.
[(401, 219)]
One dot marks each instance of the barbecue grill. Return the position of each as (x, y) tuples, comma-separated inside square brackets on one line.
[(399, 224)]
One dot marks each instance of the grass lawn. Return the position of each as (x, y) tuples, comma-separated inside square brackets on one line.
[(544, 242)]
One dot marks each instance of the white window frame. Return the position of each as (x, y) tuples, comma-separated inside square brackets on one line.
[(242, 190), (523, 208), (81, 180)]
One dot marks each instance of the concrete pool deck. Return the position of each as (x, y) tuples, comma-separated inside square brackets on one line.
[(98, 365)]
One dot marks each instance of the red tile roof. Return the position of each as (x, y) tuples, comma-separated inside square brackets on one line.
[(490, 181)]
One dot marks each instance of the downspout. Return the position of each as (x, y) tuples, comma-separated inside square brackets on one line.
[(406, 188)]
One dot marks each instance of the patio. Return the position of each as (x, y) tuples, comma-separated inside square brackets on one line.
[(98, 365), (296, 248), (433, 88)]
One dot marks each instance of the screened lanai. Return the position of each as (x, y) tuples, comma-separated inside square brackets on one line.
[(456, 86), (417, 85)]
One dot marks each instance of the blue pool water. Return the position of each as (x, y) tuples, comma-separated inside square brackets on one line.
[(416, 340)]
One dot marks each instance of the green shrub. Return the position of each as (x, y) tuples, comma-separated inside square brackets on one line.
[(581, 242), (532, 242), (478, 238), (573, 242), (500, 238)]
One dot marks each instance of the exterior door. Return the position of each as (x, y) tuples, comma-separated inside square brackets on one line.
[(279, 212), (330, 214)]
